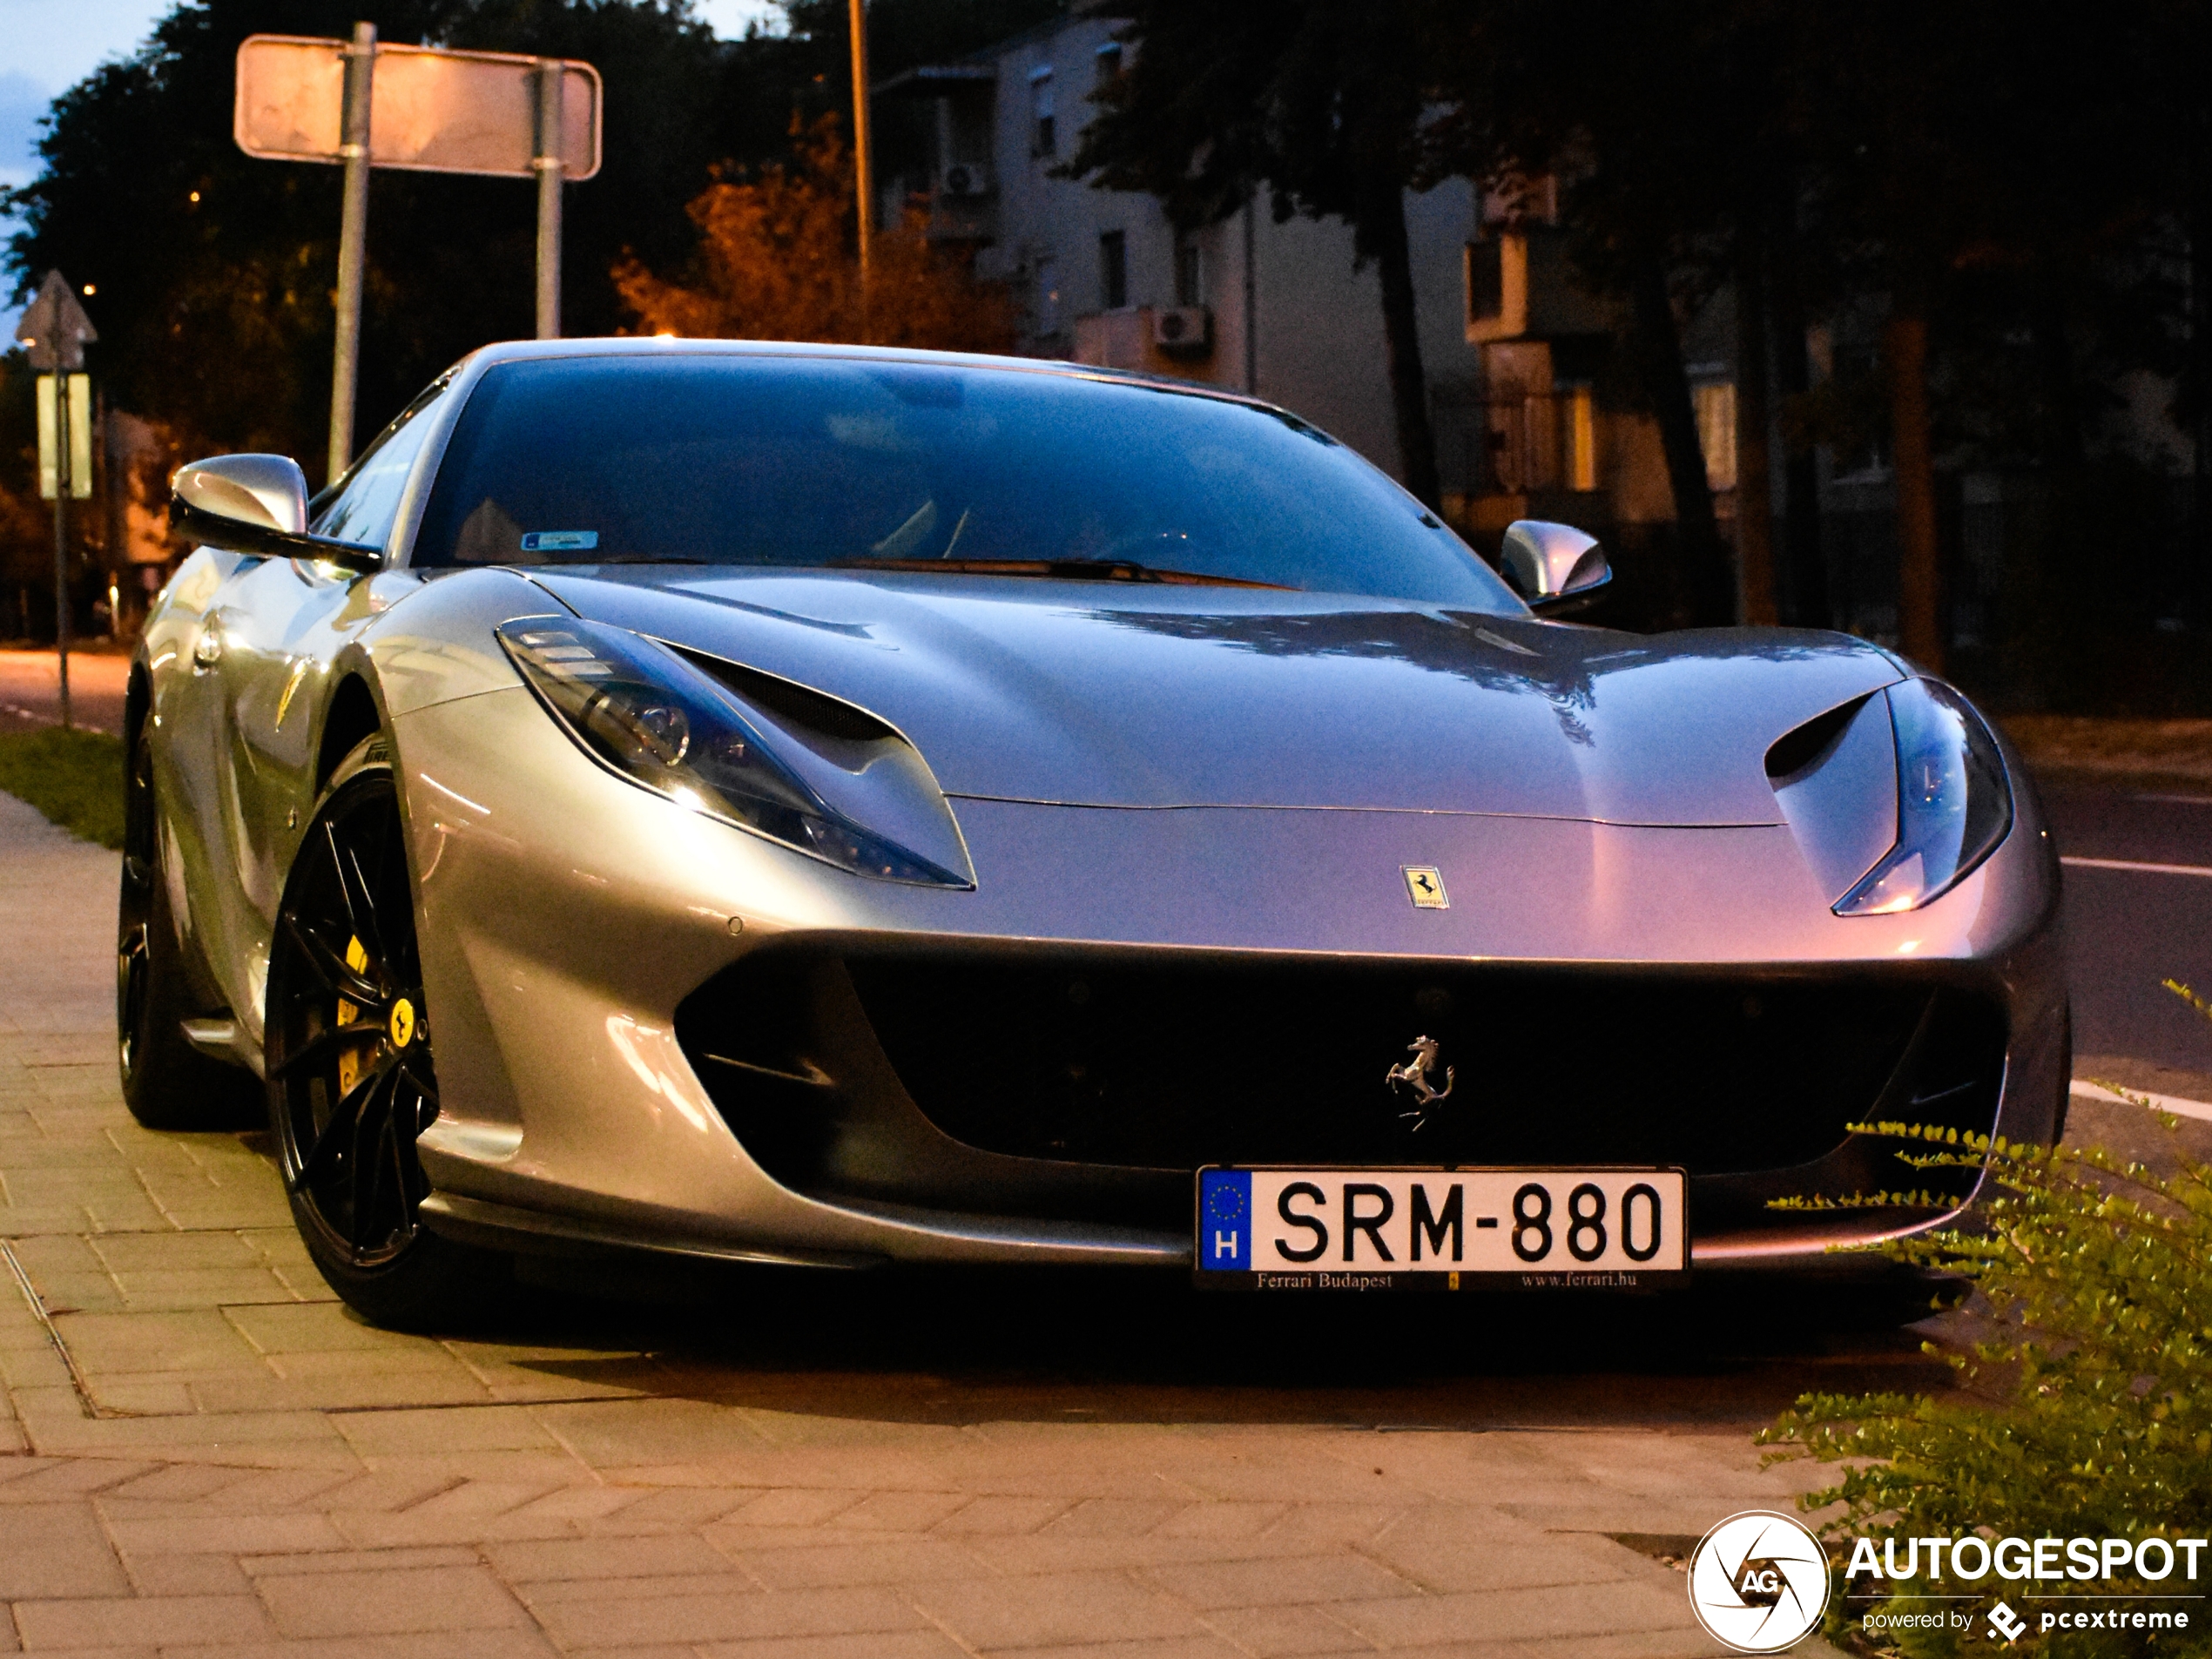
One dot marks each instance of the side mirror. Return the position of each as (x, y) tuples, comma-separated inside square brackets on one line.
[(1547, 564), (257, 504)]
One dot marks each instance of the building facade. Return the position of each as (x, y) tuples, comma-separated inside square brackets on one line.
[(1522, 404)]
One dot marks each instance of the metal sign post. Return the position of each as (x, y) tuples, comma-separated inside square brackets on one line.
[(491, 113), (863, 159), (56, 330), (353, 129), (547, 161)]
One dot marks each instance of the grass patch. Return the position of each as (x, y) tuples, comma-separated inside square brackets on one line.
[(74, 777)]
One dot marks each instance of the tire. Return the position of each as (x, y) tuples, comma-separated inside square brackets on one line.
[(167, 1083), (351, 1076)]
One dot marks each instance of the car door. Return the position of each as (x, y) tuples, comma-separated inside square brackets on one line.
[(279, 626)]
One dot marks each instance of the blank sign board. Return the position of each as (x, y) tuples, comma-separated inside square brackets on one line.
[(431, 111)]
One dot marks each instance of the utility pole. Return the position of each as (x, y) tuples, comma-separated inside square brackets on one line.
[(551, 72), (352, 242), (863, 160)]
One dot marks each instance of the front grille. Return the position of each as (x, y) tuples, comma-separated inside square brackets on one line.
[(996, 1082)]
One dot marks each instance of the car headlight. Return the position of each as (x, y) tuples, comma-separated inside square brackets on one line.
[(1954, 803), (648, 715)]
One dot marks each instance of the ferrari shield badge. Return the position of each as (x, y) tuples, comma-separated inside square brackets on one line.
[(1425, 885)]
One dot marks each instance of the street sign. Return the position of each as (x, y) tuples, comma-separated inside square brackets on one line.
[(365, 106), (435, 111), (77, 409), (55, 327)]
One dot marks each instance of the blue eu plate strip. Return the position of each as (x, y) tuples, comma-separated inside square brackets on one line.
[(1225, 1221)]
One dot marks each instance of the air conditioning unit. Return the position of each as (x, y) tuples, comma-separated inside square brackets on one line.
[(1182, 328), (965, 179)]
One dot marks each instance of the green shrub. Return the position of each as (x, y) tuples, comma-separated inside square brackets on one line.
[(74, 777), (2089, 1413)]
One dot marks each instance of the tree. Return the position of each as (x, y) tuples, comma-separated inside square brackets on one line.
[(775, 260), (1317, 102)]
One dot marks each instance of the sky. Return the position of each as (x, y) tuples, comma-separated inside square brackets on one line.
[(49, 45)]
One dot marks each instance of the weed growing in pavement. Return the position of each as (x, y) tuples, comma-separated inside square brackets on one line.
[(74, 777)]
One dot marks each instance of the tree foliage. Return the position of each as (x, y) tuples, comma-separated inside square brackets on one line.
[(775, 260)]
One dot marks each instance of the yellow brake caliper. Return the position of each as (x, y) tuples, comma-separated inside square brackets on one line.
[(349, 1063)]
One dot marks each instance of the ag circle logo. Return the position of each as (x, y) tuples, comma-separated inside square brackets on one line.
[(1759, 1581)]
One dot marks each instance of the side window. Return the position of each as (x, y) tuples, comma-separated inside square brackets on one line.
[(368, 496)]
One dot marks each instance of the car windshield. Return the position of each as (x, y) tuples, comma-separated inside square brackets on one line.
[(788, 460)]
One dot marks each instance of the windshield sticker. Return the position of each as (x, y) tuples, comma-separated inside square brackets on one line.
[(559, 541)]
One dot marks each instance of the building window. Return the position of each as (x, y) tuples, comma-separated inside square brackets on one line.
[(1043, 139), (1113, 271), (1047, 310), (1189, 272), (1715, 402), (1485, 281), (1579, 431), (1109, 63)]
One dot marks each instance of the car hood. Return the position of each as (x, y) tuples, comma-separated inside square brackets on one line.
[(1091, 693)]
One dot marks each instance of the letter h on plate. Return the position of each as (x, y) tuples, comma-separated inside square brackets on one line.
[(1225, 1221)]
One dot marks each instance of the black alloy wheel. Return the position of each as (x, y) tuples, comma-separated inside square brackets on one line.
[(167, 1083), (351, 1079)]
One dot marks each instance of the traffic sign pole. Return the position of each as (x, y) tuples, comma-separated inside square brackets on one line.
[(353, 238), (61, 446), (551, 73)]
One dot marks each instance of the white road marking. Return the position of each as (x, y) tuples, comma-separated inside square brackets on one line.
[(2146, 869), (2174, 1103)]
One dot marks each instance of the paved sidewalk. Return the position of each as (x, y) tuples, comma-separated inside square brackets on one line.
[(201, 1453)]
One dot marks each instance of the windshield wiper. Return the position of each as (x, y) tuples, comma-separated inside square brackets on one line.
[(1063, 569)]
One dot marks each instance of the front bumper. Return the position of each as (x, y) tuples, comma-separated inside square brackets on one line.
[(867, 1072)]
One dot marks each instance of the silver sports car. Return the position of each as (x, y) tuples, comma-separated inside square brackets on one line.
[(839, 806)]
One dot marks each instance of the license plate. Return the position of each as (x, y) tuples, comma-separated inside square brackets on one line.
[(1441, 1230)]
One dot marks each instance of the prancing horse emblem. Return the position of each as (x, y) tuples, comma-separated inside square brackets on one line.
[(1415, 1072)]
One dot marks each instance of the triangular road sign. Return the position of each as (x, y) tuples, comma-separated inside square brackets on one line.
[(55, 327)]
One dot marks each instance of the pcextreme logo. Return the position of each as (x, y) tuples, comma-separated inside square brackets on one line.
[(1759, 1581)]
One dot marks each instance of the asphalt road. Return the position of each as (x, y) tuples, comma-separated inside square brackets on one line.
[(30, 689), (2138, 911)]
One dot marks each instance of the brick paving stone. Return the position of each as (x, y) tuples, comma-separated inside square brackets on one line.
[(612, 1621), (1057, 1608), (1206, 1645), (1281, 1632), (890, 1560), (1281, 1580), (526, 1561), (390, 1601), (996, 1516), (883, 1644), (164, 1619), (56, 1549), (202, 1574), (1510, 1615), (358, 1560)]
